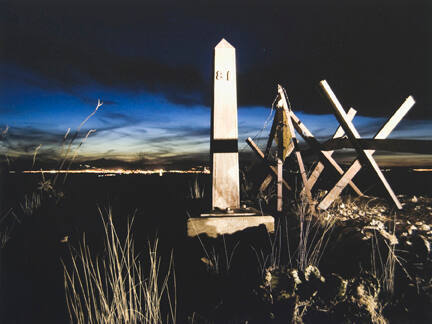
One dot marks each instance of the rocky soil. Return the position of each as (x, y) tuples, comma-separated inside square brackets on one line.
[(374, 266)]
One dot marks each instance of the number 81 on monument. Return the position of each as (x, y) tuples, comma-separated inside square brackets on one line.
[(222, 75)]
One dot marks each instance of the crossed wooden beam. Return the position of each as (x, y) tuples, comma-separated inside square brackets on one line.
[(364, 155), (346, 128), (283, 152), (308, 137), (283, 103)]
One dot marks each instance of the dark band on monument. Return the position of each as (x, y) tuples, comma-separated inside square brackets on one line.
[(224, 146)]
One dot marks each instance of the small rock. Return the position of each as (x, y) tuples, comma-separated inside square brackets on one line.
[(64, 239), (367, 236), (425, 228), (376, 223), (295, 275), (411, 229), (414, 199), (313, 273)]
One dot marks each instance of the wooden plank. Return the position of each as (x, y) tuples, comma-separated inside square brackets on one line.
[(340, 131), (268, 179), (313, 142), (271, 136), (284, 103), (365, 155), (316, 172), (285, 135), (280, 137), (340, 185), (391, 145), (266, 183), (320, 166), (257, 150), (394, 120), (279, 185)]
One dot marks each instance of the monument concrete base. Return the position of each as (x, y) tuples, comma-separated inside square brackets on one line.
[(218, 222)]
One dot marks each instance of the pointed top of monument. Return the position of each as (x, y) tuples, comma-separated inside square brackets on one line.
[(224, 44)]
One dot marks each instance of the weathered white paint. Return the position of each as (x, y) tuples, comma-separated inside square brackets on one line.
[(279, 185), (225, 175), (215, 226)]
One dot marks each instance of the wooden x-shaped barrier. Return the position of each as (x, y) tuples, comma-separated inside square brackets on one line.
[(311, 140), (364, 155), (283, 152), (346, 128), (326, 156)]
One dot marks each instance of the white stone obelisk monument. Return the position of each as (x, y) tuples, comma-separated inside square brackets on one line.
[(225, 216), (224, 132)]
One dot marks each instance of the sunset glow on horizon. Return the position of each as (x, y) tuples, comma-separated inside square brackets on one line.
[(58, 60)]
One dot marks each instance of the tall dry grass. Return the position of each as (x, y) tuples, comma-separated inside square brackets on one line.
[(8, 221), (314, 234), (113, 288), (386, 258), (31, 203), (196, 189), (67, 153)]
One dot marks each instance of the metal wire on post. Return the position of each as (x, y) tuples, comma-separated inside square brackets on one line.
[(266, 122)]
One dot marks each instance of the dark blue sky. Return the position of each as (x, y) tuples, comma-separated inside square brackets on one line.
[(150, 62)]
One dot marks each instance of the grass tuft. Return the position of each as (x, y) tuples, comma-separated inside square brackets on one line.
[(113, 289), (314, 235)]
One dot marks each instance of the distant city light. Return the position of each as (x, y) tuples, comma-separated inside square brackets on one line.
[(119, 171)]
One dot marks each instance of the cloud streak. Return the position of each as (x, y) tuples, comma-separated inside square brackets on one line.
[(139, 46)]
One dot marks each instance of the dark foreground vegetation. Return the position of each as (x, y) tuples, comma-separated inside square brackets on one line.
[(114, 250)]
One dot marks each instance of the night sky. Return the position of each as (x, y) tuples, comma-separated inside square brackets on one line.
[(150, 62)]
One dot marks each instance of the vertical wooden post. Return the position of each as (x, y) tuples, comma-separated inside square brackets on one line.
[(284, 104), (280, 157), (279, 185), (257, 150)]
